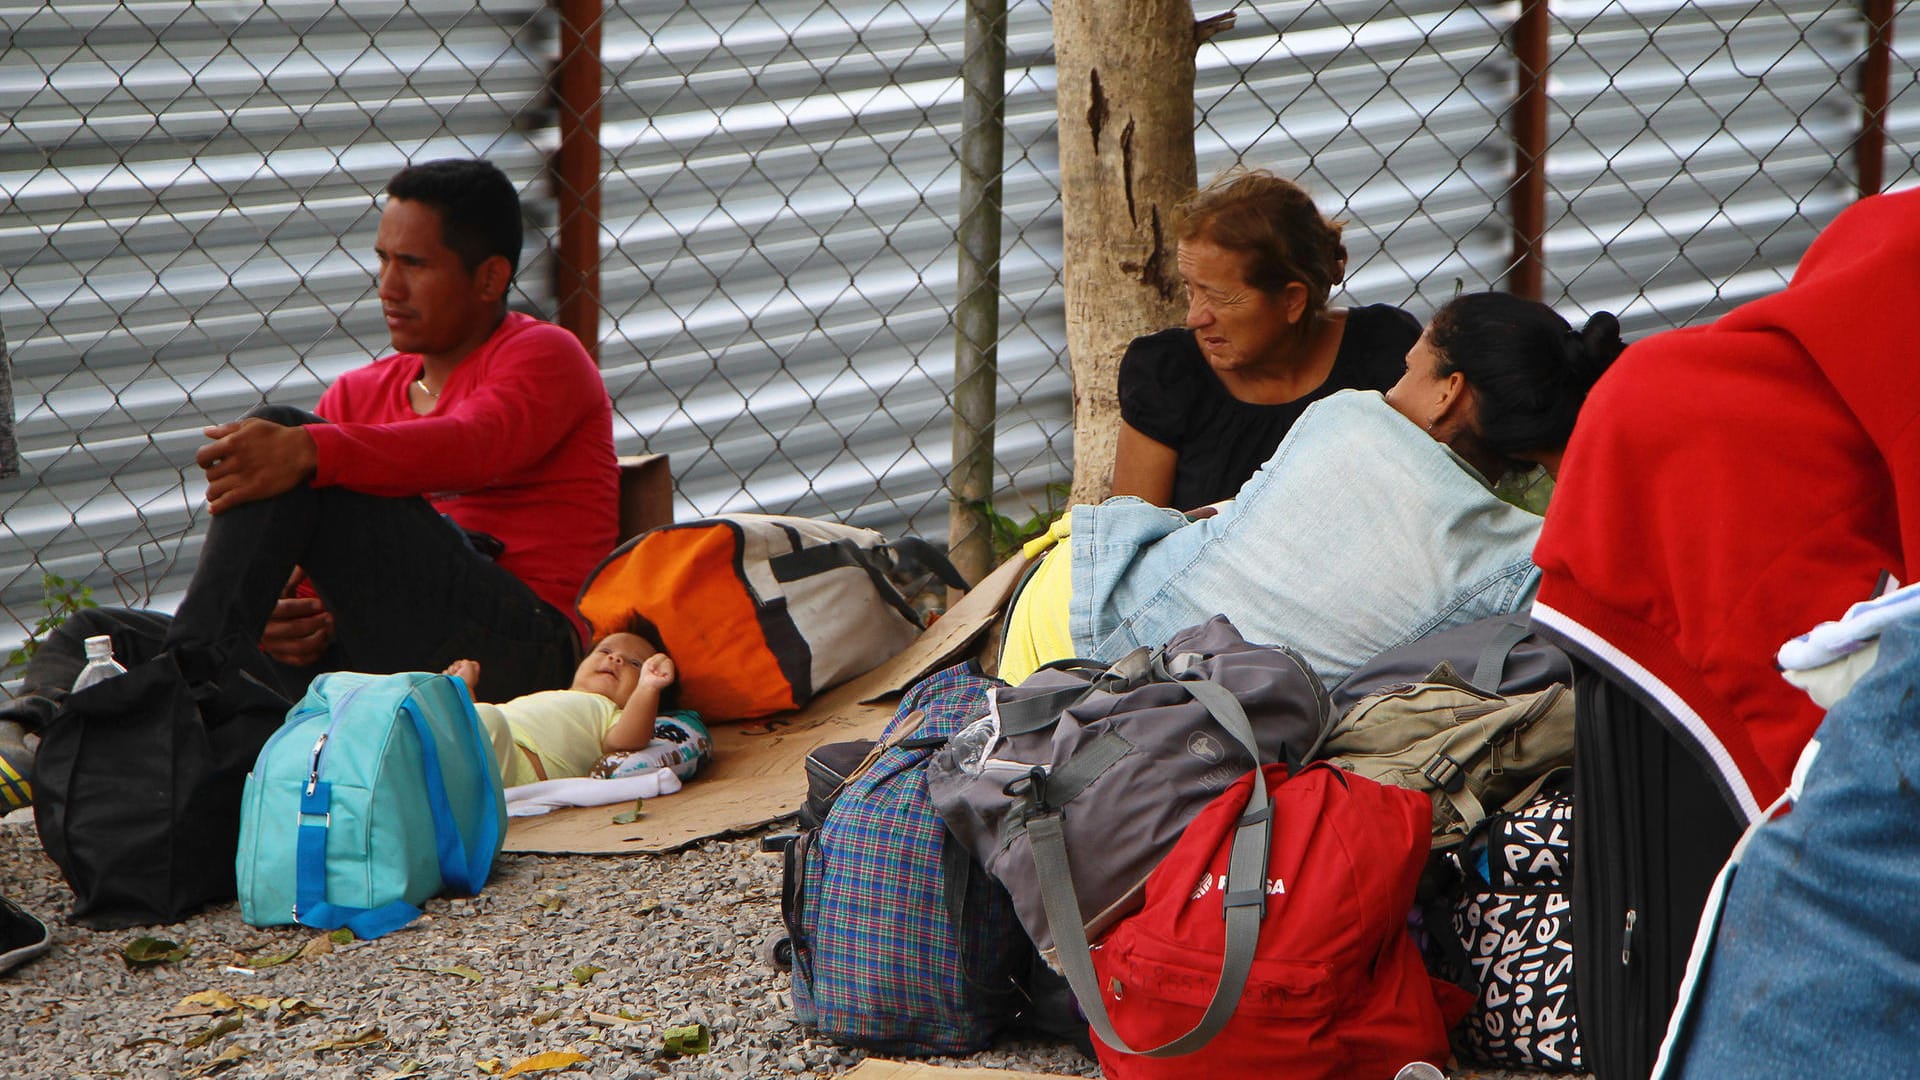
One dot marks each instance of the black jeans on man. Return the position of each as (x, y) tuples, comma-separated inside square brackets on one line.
[(407, 589)]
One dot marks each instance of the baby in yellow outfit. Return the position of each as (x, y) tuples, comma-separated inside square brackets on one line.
[(611, 707)]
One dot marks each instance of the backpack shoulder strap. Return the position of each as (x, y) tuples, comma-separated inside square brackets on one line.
[(1244, 899), (1491, 668)]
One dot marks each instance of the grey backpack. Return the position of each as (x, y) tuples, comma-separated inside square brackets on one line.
[(1125, 755), (1499, 652)]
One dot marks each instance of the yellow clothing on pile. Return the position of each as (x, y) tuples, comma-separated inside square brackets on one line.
[(563, 728), (1039, 628)]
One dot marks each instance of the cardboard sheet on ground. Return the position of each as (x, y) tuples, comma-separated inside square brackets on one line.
[(876, 1069), (758, 774)]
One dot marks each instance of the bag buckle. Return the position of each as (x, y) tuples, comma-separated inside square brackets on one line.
[(1030, 786), (313, 767), (1444, 772)]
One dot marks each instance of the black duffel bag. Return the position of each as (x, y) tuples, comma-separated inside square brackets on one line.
[(138, 778)]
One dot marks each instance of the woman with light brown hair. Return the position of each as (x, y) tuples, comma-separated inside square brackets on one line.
[(1202, 405)]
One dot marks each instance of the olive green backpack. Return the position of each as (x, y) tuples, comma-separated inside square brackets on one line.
[(1474, 750)]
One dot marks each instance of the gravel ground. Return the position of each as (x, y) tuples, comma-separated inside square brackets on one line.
[(471, 989)]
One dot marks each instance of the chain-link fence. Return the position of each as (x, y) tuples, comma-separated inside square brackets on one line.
[(191, 199)]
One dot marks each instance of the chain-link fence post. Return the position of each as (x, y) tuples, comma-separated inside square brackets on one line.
[(1871, 149), (1529, 119), (976, 313), (577, 172), (9, 447)]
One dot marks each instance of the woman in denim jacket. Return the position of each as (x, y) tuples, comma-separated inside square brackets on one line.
[(1373, 523)]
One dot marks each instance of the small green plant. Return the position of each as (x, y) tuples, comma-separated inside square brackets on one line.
[(60, 598), (1528, 489), (1007, 534)]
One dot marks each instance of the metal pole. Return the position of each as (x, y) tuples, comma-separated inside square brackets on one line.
[(1529, 200), (1869, 153), (976, 314), (576, 171)]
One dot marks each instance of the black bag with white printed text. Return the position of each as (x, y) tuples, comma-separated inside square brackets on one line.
[(1511, 923)]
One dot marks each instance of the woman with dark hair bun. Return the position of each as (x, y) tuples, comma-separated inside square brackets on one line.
[(1363, 531), (1528, 369), (1201, 406)]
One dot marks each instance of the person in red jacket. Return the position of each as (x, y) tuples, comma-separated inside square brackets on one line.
[(1728, 487), (448, 500)]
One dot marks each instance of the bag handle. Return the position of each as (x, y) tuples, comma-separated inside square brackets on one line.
[(479, 855), (463, 867), (1490, 670), (1244, 900), (1026, 715), (922, 551)]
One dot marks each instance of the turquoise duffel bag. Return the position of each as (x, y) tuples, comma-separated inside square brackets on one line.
[(379, 792)]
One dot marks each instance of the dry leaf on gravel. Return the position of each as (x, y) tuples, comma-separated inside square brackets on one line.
[(204, 1003), (552, 1059), (366, 1036), (225, 1060)]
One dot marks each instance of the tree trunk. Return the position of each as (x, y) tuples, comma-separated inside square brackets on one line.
[(1125, 70)]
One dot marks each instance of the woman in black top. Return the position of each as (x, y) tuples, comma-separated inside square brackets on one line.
[(1203, 406)]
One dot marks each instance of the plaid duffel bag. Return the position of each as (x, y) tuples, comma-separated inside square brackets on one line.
[(901, 942)]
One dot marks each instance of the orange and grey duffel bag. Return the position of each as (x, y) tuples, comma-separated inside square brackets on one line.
[(761, 612)]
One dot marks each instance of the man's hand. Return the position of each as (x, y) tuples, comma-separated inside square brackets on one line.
[(300, 628), (254, 459)]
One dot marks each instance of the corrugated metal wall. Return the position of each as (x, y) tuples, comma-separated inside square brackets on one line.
[(191, 206), (1672, 201), (783, 192), (188, 232)]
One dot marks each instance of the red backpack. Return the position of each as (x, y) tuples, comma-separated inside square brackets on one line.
[(1335, 987)]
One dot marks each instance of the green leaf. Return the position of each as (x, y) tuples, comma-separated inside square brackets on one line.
[(342, 936), (146, 952), (60, 598), (229, 1025), (461, 970), (691, 1039), (585, 972), (267, 960), (628, 817)]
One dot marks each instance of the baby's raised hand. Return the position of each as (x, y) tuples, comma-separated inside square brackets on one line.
[(657, 672), (467, 671)]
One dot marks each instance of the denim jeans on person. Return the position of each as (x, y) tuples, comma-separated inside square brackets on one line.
[(1361, 533), (1815, 969), (406, 588)]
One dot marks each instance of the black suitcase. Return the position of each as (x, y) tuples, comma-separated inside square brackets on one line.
[(1652, 829)]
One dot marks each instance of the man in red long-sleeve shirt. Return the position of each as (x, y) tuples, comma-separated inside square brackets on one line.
[(355, 539)]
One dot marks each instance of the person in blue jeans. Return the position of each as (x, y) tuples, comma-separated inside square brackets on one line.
[(1373, 524), (1812, 968)]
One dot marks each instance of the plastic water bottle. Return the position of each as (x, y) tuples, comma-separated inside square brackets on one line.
[(101, 665), (969, 745)]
